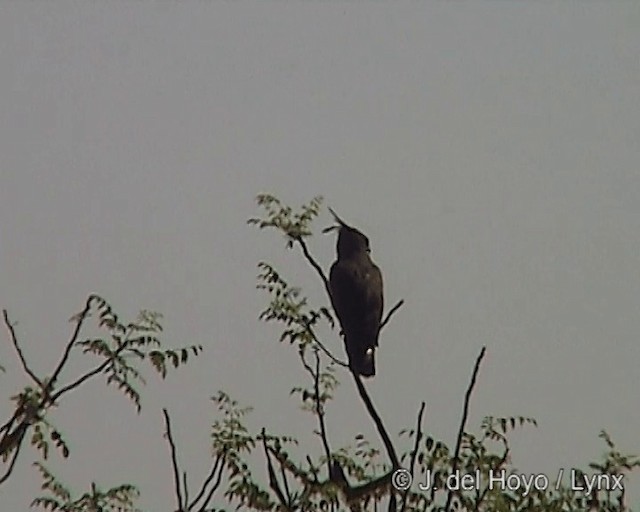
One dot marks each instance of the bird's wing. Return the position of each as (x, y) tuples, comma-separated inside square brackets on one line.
[(377, 298), (356, 295)]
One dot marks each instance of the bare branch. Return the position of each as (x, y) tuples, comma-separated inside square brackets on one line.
[(325, 349), (319, 410), (314, 264), (213, 489), (283, 474), (174, 459), (391, 312), (465, 413), (186, 489), (14, 341), (203, 489), (79, 318), (273, 481), (376, 419), (98, 369)]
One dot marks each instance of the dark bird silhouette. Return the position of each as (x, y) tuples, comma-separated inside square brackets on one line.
[(356, 295)]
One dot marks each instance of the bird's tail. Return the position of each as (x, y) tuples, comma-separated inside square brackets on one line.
[(363, 363)]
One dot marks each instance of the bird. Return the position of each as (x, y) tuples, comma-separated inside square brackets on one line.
[(355, 285)]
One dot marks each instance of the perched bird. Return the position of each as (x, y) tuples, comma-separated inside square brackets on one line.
[(356, 295)]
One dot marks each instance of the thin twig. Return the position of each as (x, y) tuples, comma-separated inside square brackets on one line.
[(391, 312), (325, 349), (14, 341), (465, 413), (273, 481), (319, 410), (376, 419), (314, 264), (206, 483), (283, 474), (213, 489), (98, 369), (414, 453), (174, 459), (80, 318), (186, 490)]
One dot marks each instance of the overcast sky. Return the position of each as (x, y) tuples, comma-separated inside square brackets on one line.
[(489, 150)]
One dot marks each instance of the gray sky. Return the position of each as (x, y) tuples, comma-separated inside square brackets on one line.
[(489, 151)]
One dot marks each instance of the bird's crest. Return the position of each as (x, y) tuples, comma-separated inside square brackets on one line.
[(339, 221)]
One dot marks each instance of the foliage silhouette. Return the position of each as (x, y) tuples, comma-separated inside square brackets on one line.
[(118, 353), (362, 476)]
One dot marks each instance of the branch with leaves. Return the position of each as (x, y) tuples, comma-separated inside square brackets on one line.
[(288, 308), (123, 343), (299, 485)]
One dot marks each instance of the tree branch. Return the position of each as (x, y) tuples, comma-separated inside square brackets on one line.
[(80, 380), (324, 349), (376, 419), (213, 488), (206, 483), (314, 264), (391, 312), (465, 413), (17, 436), (319, 409), (14, 341), (273, 481), (186, 490), (283, 474), (79, 318), (98, 369), (174, 460)]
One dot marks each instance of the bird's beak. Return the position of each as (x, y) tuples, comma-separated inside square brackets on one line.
[(331, 228)]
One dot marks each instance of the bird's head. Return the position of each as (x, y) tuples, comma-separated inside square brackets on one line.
[(350, 241)]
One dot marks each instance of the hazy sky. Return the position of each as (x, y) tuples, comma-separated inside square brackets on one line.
[(489, 150)]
